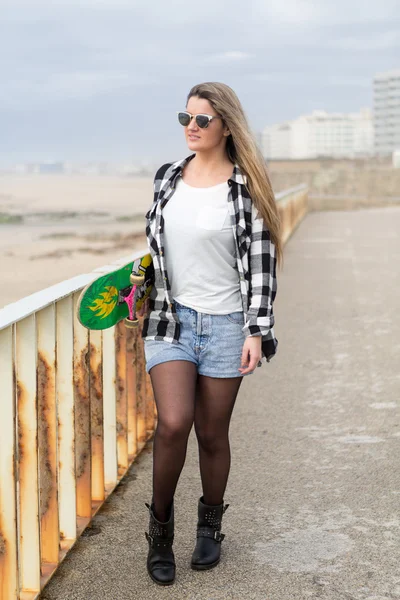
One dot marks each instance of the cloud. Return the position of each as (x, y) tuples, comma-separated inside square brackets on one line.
[(347, 81), (232, 56), (383, 40), (76, 85), (309, 13)]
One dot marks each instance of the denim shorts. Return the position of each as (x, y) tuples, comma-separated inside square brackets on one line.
[(212, 342)]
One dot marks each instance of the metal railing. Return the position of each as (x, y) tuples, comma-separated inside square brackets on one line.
[(76, 409), (293, 205)]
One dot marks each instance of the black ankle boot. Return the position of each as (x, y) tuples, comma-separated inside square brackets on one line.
[(160, 559), (209, 537)]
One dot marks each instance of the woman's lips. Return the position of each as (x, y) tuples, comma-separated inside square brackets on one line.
[(193, 137)]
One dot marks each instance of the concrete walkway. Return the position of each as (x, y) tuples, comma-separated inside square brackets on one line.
[(314, 487)]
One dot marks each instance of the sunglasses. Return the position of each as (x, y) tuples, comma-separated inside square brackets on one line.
[(202, 120)]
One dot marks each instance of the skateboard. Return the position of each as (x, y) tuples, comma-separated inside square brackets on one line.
[(117, 295)]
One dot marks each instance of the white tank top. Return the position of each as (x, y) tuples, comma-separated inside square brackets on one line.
[(200, 249)]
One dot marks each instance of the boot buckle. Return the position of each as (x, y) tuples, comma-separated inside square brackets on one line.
[(218, 536), (149, 538)]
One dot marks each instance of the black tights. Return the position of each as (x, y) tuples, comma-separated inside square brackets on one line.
[(183, 397)]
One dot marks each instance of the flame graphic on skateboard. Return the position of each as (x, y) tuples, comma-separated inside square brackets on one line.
[(116, 295)]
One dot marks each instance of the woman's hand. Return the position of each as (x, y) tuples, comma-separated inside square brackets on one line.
[(144, 309), (251, 354)]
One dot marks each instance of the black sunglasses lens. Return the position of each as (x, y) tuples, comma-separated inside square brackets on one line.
[(202, 121), (183, 118)]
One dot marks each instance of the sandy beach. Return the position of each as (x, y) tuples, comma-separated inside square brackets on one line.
[(54, 227)]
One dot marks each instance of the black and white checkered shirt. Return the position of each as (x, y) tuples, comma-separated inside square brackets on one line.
[(255, 259)]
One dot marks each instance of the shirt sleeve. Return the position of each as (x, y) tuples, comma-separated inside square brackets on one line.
[(263, 288)]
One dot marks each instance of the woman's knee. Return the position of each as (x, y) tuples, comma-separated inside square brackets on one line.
[(173, 430), (210, 440)]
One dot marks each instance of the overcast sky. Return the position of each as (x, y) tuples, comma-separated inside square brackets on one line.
[(102, 79)]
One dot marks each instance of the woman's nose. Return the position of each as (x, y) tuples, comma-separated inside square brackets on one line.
[(193, 125)]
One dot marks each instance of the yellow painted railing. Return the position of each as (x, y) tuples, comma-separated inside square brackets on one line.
[(76, 408)]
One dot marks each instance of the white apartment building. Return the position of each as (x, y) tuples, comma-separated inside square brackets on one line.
[(387, 112), (320, 134)]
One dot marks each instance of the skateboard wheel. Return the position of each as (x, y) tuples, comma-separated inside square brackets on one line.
[(136, 279), (131, 324)]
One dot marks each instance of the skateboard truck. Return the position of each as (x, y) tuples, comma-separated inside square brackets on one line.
[(136, 280)]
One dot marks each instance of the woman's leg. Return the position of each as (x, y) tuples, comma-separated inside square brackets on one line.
[(215, 399), (174, 386)]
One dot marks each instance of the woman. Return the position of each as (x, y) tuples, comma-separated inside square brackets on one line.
[(214, 234)]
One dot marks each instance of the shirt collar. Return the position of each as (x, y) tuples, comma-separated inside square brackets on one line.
[(237, 175)]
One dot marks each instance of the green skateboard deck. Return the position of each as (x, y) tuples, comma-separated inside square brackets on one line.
[(116, 295)]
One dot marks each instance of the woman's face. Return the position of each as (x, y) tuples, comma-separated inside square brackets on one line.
[(214, 135)]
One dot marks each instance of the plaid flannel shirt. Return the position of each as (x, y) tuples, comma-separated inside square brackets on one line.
[(255, 258)]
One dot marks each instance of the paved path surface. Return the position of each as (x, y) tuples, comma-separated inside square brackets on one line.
[(314, 487)]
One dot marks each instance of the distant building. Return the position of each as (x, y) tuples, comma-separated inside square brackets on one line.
[(396, 159), (320, 134), (387, 112), (51, 167), (19, 169)]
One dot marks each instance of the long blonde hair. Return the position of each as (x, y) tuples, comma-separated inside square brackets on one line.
[(242, 149)]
